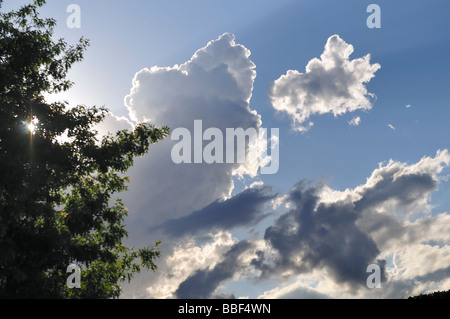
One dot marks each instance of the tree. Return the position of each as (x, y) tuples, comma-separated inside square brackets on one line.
[(433, 295), (56, 206)]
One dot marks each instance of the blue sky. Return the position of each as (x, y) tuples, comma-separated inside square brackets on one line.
[(411, 47)]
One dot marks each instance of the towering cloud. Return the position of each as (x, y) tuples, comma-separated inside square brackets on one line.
[(332, 83), (214, 86)]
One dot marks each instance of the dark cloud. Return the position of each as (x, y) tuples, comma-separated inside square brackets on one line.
[(315, 234), (243, 209), (344, 236), (340, 233), (405, 189), (404, 195), (203, 283)]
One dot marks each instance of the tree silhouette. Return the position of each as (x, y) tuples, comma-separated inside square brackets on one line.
[(433, 295), (55, 194)]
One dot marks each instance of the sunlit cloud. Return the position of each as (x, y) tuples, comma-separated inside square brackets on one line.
[(333, 83)]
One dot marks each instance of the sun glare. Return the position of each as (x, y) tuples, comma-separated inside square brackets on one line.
[(32, 125)]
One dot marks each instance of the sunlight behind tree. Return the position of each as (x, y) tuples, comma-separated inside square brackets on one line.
[(58, 176)]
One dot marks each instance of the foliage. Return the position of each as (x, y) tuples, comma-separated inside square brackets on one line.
[(56, 204)]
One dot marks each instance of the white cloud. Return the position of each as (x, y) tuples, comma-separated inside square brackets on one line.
[(392, 208), (428, 165), (186, 258), (399, 220), (279, 201), (256, 183), (332, 84), (329, 195), (214, 86), (419, 260), (219, 72), (302, 288), (355, 121), (111, 124), (379, 210), (402, 188), (189, 262)]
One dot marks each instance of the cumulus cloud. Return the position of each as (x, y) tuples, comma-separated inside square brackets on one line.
[(321, 246), (333, 83), (314, 235), (327, 234), (214, 86), (400, 189), (342, 232), (219, 72), (111, 124)]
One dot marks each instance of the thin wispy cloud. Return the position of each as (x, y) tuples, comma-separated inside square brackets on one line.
[(355, 121)]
